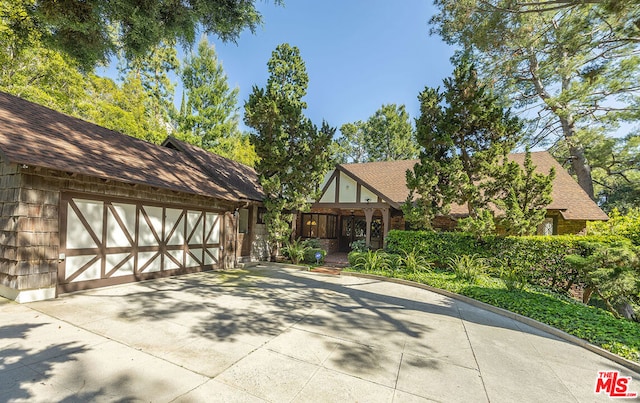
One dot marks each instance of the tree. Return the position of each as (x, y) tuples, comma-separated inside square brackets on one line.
[(435, 181), (152, 71), (92, 31), (293, 153), (386, 136), (522, 194), (615, 163), (210, 112), (237, 147), (463, 132), (574, 65), (124, 108), (351, 144)]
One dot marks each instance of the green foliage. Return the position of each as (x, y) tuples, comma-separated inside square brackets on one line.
[(412, 262), (627, 225), (611, 270), (386, 136), (514, 277), (152, 70), (576, 69), (615, 167), (351, 145), (468, 267), (359, 245), (310, 255), (436, 247), (480, 225), (91, 32), (293, 154), (522, 195), (210, 113), (237, 147), (295, 250), (51, 79), (370, 261), (541, 258), (463, 131)]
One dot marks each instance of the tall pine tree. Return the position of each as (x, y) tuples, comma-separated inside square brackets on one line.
[(210, 111), (294, 154), (464, 131)]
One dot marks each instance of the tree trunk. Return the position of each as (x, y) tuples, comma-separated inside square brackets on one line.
[(582, 170), (578, 160), (586, 294), (579, 163)]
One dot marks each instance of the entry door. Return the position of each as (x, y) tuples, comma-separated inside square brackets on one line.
[(354, 228), (104, 242)]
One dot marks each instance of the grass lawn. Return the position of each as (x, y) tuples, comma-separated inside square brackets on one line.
[(595, 325)]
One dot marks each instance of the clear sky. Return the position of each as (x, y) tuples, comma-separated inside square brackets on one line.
[(359, 54)]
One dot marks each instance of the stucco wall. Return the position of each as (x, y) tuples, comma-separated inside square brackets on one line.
[(29, 222)]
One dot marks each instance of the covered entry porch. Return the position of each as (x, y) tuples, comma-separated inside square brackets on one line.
[(338, 228)]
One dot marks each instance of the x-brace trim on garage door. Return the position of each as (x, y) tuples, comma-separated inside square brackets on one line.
[(107, 241)]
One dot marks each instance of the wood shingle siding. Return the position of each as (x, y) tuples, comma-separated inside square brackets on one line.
[(51, 163)]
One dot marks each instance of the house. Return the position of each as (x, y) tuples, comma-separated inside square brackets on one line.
[(82, 206), (363, 202)]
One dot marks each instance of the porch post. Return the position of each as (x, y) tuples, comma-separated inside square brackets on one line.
[(368, 214), (385, 226)]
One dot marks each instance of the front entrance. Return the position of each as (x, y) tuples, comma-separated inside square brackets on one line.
[(354, 228)]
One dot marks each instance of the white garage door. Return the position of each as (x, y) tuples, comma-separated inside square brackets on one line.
[(105, 242)]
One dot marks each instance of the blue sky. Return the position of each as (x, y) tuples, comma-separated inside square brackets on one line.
[(359, 54)]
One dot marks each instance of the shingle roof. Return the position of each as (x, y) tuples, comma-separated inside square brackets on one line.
[(34, 135), (388, 179), (240, 178)]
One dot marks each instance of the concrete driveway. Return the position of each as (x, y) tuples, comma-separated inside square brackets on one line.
[(275, 334)]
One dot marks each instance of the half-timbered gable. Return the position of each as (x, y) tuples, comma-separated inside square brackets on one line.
[(364, 201)]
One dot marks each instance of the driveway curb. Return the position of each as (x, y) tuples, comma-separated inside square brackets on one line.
[(511, 315)]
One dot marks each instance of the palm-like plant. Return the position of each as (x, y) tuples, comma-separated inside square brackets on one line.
[(295, 250)]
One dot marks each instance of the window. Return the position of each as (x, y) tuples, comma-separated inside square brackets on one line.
[(547, 227), (243, 221), (319, 226), (261, 212)]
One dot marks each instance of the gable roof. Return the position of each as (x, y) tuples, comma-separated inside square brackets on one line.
[(388, 179), (233, 175), (32, 134)]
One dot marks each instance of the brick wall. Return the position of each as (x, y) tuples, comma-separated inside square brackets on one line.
[(571, 227), (29, 233)]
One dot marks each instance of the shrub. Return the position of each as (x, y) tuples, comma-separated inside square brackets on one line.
[(295, 250), (541, 258), (310, 255), (514, 278), (467, 267), (436, 247), (312, 243), (371, 260), (412, 262), (359, 246), (612, 271), (627, 225)]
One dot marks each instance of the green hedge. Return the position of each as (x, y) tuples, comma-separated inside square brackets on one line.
[(435, 246), (542, 257)]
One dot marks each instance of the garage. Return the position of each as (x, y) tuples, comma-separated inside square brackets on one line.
[(106, 242), (82, 206)]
